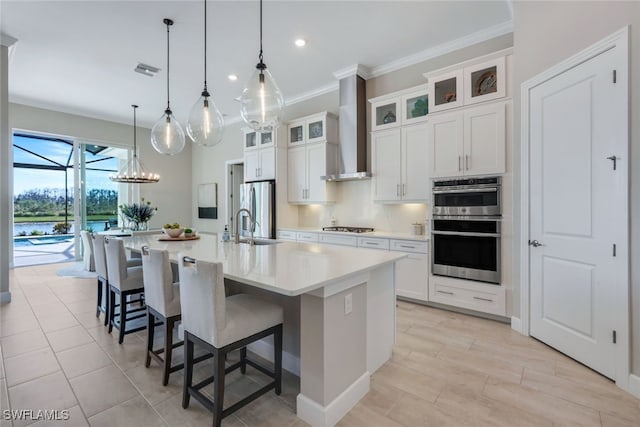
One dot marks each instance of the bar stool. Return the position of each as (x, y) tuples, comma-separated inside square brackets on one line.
[(162, 298), (123, 281), (100, 259), (87, 255), (222, 325)]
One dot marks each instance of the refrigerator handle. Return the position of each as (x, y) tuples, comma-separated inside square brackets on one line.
[(253, 209)]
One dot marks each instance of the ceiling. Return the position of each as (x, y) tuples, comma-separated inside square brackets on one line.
[(78, 56)]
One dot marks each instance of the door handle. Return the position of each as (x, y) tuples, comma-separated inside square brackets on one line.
[(534, 243), (614, 159)]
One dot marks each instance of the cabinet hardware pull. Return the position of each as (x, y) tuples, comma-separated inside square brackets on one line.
[(407, 246), (404, 189), (466, 160), (483, 299), (459, 163), (371, 243), (397, 189), (445, 292)]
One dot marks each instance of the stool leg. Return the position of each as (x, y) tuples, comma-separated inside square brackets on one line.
[(168, 348), (188, 369), (123, 316), (107, 308), (112, 308), (218, 387), (277, 358), (151, 320), (99, 298), (243, 360)]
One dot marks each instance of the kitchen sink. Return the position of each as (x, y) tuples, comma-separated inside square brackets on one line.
[(260, 242)]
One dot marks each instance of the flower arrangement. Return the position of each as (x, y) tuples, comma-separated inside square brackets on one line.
[(137, 214)]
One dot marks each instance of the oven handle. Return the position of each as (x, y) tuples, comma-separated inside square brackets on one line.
[(464, 234), (468, 190)]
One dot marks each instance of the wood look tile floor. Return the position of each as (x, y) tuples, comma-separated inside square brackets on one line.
[(447, 369)]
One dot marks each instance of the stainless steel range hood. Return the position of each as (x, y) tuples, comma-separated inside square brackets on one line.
[(352, 162)]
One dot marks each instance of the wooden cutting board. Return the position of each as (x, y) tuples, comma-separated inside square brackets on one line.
[(176, 239)]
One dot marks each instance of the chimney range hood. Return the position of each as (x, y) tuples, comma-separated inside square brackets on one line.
[(352, 161)]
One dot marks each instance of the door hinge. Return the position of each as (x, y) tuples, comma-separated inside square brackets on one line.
[(614, 249), (615, 76), (614, 337)]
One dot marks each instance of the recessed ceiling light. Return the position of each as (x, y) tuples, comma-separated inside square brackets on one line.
[(232, 77), (300, 42)]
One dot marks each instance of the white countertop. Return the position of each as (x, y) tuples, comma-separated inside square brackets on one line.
[(382, 234), (288, 268)]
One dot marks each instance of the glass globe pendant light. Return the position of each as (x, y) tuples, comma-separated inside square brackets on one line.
[(261, 99), (134, 172), (206, 124), (167, 136)]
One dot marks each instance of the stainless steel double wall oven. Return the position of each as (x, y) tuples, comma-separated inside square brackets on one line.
[(465, 228)]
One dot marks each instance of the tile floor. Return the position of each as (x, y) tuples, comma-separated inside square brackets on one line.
[(447, 369)]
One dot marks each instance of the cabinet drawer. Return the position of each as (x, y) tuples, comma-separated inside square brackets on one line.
[(286, 235), (307, 237), (373, 243), (409, 246), (335, 239), (484, 298)]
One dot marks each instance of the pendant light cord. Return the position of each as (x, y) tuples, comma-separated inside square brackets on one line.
[(168, 22), (260, 56), (135, 146), (205, 45)]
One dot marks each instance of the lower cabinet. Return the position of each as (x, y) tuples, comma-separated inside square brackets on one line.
[(467, 294), (412, 272)]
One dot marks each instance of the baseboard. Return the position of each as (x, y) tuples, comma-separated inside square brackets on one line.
[(516, 324), (634, 385), (263, 349), (328, 416), (5, 297)]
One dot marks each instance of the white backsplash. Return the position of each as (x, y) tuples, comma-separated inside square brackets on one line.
[(355, 207)]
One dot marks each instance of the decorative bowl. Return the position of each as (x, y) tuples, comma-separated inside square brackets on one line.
[(173, 232)]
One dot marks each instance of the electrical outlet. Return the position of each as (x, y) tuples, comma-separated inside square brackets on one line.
[(348, 303)]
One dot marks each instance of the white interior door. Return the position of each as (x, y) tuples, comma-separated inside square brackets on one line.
[(578, 211)]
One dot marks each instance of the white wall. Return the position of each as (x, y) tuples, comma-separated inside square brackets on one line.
[(172, 196), (545, 33), (6, 239)]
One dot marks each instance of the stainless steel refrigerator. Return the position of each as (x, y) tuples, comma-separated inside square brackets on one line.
[(259, 199)]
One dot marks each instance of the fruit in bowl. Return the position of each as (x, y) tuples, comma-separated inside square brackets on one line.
[(189, 232), (172, 230)]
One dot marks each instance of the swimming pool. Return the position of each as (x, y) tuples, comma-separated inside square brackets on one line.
[(41, 240)]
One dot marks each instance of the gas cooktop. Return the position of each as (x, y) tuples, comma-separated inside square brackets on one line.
[(348, 229)]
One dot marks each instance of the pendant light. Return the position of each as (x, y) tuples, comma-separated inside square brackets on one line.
[(167, 136), (206, 124), (262, 101), (134, 172)]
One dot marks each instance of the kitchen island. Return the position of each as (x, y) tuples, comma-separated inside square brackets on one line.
[(345, 300)]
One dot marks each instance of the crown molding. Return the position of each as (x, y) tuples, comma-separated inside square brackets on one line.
[(7, 40), (444, 48), (355, 69)]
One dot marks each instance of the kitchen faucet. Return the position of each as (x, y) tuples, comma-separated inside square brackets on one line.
[(253, 223)]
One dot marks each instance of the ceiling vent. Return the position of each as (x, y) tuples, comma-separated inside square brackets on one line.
[(147, 70)]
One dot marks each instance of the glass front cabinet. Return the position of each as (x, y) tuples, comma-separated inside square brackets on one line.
[(386, 113), (446, 91), (253, 139), (484, 82), (415, 106), (321, 127)]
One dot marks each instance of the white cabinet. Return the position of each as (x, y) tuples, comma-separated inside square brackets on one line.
[(338, 239), (259, 155), (306, 236), (286, 235), (320, 127), (305, 165), (476, 296), (386, 113), (405, 107), (412, 272), (400, 164), (260, 165), (468, 142)]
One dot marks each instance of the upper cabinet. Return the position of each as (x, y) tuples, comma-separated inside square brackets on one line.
[(399, 108), (446, 91), (260, 154), (482, 79), (321, 127)]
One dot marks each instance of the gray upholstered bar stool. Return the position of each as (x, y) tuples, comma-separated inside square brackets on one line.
[(123, 281), (162, 298), (222, 325), (100, 260), (87, 254)]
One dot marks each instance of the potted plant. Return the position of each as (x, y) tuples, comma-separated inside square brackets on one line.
[(137, 215)]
